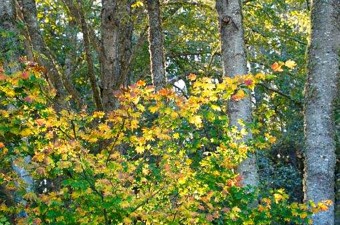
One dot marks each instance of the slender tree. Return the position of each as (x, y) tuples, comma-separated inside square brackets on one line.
[(156, 44), (321, 91), (234, 63)]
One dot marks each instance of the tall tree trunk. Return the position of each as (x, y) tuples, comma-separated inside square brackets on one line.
[(156, 44), (9, 45), (125, 42), (234, 63), (110, 24), (116, 32), (320, 93)]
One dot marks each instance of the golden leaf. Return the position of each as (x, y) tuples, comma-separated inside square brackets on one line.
[(290, 64)]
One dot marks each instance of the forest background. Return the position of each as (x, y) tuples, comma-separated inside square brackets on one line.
[(141, 112)]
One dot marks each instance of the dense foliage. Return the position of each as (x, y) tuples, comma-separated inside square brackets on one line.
[(159, 158)]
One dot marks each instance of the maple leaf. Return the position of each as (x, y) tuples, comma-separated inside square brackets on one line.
[(248, 82), (25, 75), (192, 76), (277, 197), (137, 4), (239, 95), (140, 149), (196, 120), (277, 67), (141, 83), (98, 114), (2, 145), (290, 64), (260, 76), (210, 217)]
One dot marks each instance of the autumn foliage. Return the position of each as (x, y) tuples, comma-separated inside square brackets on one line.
[(159, 158)]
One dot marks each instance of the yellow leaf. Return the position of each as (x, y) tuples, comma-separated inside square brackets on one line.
[(39, 157), (290, 64), (134, 124), (260, 76), (216, 108), (196, 120), (303, 215), (140, 149), (92, 139), (277, 197), (153, 108), (236, 209), (98, 114), (176, 135), (137, 4), (26, 132), (127, 220), (103, 127)]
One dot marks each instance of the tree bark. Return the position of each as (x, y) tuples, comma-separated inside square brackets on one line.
[(110, 24), (10, 44), (321, 91), (234, 63), (89, 60), (156, 44)]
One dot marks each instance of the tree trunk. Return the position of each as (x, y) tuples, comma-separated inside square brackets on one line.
[(89, 59), (156, 44), (9, 45), (320, 93), (110, 49), (234, 63)]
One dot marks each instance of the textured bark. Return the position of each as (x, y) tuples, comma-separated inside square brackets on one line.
[(9, 56), (89, 60), (110, 24), (321, 91), (156, 44), (125, 42), (234, 63), (45, 58)]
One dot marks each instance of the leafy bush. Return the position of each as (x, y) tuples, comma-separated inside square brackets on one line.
[(159, 158)]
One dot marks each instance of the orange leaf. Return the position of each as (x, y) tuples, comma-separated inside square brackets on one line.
[(277, 67), (141, 83), (192, 76)]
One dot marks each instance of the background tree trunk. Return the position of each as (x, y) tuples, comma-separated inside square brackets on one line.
[(9, 45), (156, 44), (320, 93), (234, 63), (110, 50)]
